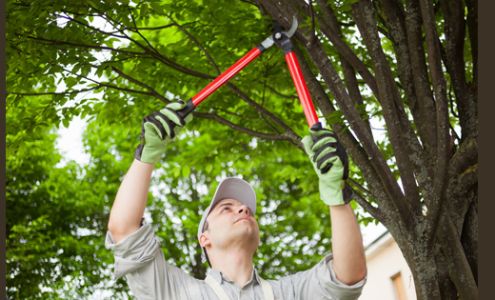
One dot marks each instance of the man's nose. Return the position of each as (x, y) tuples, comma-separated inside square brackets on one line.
[(244, 210)]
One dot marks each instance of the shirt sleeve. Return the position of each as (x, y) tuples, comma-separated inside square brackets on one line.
[(140, 259), (318, 282)]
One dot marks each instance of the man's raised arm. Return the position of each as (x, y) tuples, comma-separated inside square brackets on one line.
[(128, 208), (331, 164), (349, 262)]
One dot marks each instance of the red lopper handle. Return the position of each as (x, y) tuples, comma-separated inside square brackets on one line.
[(226, 75), (301, 88)]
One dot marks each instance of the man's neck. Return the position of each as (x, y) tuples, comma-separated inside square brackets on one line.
[(236, 266)]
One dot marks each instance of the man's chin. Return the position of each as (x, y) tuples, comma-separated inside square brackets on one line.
[(248, 231)]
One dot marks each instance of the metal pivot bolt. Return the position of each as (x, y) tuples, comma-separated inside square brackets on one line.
[(278, 35)]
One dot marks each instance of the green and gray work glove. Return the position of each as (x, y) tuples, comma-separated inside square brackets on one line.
[(330, 163), (158, 128)]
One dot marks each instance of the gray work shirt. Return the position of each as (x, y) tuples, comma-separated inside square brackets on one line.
[(139, 258)]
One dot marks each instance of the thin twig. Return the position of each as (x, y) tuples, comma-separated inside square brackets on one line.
[(266, 136), (132, 79), (53, 93)]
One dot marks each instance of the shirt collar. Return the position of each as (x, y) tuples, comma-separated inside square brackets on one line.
[(220, 277)]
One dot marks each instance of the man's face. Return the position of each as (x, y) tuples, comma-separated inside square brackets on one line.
[(229, 222)]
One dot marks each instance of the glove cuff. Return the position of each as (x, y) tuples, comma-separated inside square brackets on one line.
[(145, 155), (338, 194), (347, 194), (139, 151)]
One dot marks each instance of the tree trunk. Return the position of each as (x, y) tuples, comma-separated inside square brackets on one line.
[(445, 269)]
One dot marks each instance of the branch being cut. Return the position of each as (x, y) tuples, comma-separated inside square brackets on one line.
[(280, 94), (262, 135), (260, 109), (151, 52)]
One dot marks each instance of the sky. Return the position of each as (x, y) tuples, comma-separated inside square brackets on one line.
[(70, 143)]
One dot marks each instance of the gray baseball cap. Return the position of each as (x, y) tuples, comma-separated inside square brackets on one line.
[(230, 188)]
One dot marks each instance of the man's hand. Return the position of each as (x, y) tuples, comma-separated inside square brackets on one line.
[(157, 129), (330, 163)]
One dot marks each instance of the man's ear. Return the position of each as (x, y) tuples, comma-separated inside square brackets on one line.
[(204, 240)]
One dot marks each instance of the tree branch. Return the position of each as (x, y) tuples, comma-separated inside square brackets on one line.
[(54, 93), (395, 21), (69, 43), (453, 56), (104, 84), (460, 190), (397, 123), (374, 212), (262, 135), (273, 90), (139, 33), (153, 52), (443, 138), (200, 45), (159, 27), (472, 23), (91, 27), (349, 72), (330, 27), (425, 104), (260, 109), (459, 269), (140, 83), (465, 156)]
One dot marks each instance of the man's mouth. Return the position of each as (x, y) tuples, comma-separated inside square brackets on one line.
[(241, 219)]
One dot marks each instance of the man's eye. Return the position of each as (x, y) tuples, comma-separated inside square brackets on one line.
[(225, 208)]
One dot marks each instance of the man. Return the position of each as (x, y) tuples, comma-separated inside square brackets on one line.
[(228, 232)]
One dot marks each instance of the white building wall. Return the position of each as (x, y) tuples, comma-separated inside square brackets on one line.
[(384, 260)]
